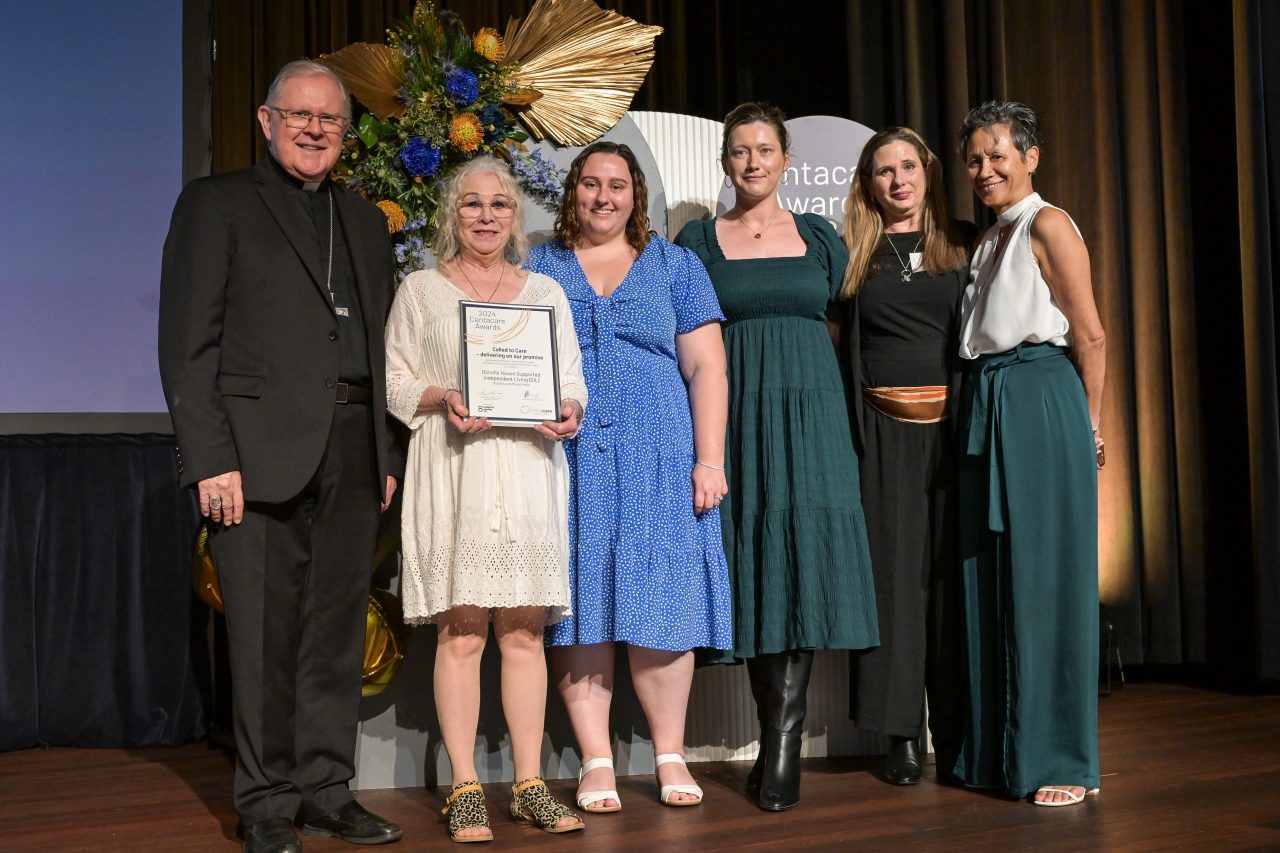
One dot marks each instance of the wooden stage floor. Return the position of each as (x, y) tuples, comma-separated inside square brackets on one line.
[(1182, 769)]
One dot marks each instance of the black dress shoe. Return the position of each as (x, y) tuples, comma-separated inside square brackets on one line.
[(354, 823), (902, 764), (273, 835)]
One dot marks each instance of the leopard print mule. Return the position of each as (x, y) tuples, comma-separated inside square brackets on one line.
[(532, 803)]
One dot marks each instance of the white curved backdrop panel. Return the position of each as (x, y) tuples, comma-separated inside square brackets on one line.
[(686, 150)]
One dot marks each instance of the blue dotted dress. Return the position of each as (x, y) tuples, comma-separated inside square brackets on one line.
[(644, 569)]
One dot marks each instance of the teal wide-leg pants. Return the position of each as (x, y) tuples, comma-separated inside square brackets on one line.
[(1028, 497)]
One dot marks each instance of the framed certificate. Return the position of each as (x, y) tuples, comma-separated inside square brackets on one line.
[(509, 369)]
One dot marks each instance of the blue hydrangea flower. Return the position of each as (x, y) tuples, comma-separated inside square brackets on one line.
[(420, 157), (491, 116), (461, 87)]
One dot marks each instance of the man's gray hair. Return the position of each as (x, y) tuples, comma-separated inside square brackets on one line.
[(307, 68), (1024, 127)]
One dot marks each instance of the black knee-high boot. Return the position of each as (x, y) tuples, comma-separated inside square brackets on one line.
[(788, 682), (758, 672)]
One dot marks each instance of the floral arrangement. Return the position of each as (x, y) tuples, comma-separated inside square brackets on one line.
[(438, 95), (449, 104)]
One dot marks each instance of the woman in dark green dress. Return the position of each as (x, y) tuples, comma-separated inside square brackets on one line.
[(794, 534)]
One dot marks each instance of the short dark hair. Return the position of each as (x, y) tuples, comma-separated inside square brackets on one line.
[(750, 113), (568, 230), (1022, 121)]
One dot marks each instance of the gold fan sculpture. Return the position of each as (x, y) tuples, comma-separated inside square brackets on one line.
[(579, 68), (385, 634), (372, 74), (586, 61)]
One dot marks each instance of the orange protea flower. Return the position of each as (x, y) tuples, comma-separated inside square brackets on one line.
[(489, 44), (466, 132), (395, 215)]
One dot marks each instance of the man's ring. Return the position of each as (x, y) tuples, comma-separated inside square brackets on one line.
[(215, 502)]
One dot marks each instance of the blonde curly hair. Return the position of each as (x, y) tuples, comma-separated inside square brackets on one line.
[(446, 245)]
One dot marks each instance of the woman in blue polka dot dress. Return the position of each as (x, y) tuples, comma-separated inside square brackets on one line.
[(646, 470)]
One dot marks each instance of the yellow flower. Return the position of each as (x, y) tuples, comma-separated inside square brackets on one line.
[(395, 215), (489, 44), (466, 132)]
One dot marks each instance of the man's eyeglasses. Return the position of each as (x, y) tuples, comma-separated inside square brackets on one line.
[(301, 119), (498, 208)]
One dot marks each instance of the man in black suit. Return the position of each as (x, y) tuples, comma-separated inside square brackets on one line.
[(275, 287)]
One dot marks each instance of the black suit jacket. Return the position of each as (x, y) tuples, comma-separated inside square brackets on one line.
[(248, 349)]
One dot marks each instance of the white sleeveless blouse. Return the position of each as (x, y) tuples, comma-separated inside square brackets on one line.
[(1008, 301)]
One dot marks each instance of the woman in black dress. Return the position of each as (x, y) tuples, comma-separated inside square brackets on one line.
[(908, 264)]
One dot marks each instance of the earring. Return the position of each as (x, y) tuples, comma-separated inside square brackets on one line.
[(786, 177), (727, 183)]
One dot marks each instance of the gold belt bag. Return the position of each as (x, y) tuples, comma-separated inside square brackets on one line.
[(920, 404)]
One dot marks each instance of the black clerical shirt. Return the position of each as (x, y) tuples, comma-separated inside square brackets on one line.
[(314, 208)]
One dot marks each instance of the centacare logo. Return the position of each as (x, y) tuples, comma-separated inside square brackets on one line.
[(824, 155)]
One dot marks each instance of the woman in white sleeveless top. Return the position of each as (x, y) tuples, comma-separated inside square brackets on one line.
[(1030, 446)]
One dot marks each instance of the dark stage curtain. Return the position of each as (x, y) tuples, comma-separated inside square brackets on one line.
[(1255, 25), (1160, 141), (1137, 99), (95, 593)]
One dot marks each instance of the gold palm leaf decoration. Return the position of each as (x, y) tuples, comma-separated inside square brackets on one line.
[(586, 62), (372, 74)]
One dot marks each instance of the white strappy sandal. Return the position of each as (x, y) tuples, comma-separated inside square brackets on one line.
[(585, 798), (1072, 797), (665, 792)]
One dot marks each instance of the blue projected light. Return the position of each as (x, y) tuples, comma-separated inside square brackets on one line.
[(90, 173)]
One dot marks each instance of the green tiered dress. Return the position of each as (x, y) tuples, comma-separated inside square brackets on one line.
[(794, 532)]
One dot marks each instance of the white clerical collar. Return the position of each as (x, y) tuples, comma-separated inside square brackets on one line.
[(311, 186)]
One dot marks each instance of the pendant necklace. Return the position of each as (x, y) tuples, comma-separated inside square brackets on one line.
[(341, 311), (766, 227), (475, 289), (907, 269)]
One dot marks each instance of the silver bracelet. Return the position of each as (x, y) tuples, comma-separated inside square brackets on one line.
[(712, 467)]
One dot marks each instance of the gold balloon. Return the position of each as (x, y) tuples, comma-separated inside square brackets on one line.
[(203, 576), (385, 634), (385, 639)]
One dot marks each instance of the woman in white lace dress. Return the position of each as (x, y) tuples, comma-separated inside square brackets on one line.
[(484, 522)]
